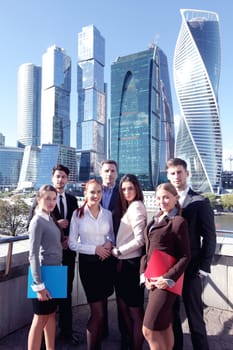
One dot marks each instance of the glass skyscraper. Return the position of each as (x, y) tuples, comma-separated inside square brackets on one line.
[(52, 154), (91, 125), (196, 76), (29, 168), (29, 105), (10, 165), (55, 104), (142, 131)]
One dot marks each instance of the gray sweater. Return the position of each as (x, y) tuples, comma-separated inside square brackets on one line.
[(44, 244)]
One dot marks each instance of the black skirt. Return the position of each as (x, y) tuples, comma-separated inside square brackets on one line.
[(44, 307), (96, 277), (127, 282)]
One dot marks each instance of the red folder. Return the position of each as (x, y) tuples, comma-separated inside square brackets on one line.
[(159, 263)]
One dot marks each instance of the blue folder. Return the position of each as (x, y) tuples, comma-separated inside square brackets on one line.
[(55, 280)]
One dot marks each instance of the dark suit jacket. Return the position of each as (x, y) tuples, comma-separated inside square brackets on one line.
[(169, 236), (115, 208), (202, 233), (71, 206)]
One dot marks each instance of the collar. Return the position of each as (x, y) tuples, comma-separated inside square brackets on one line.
[(182, 195), (42, 214), (105, 188)]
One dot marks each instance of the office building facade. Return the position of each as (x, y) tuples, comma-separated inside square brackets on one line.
[(196, 77), (137, 134), (52, 154), (55, 104), (91, 89), (29, 168), (10, 165), (2, 139), (167, 136), (29, 105)]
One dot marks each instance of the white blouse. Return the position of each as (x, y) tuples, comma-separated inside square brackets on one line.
[(88, 232), (130, 235)]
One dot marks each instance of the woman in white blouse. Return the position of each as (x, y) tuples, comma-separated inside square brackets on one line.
[(128, 251), (91, 235)]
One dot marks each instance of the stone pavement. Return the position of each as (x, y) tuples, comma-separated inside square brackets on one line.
[(219, 325)]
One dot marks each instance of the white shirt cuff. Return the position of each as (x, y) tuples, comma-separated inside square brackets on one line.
[(142, 278), (38, 287), (203, 273)]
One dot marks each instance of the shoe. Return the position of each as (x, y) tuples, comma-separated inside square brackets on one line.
[(69, 338), (75, 339)]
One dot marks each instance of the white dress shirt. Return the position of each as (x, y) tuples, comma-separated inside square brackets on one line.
[(64, 202), (88, 232)]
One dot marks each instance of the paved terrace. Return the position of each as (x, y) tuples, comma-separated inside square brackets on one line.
[(16, 315), (219, 327)]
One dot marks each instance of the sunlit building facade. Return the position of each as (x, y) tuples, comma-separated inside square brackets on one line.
[(91, 124), (196, 77), (29, 168), (55, 104), (29, 105), (10, 165), (139, 126), (52, 154)]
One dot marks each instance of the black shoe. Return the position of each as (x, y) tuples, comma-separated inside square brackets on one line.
[(75, 339)]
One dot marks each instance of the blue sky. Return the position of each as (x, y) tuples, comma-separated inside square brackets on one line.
[(29, 27)]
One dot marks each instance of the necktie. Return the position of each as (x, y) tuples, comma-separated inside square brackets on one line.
[(61, 207)]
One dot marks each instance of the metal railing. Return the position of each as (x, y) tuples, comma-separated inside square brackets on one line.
[(11, 239)]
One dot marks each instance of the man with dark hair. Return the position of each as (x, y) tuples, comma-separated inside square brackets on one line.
[(202, 235), (110, 196), (66, 204), (111, 201)]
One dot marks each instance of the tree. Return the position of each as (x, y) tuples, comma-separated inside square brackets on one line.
[(211, 197), (227, 201), (13, 213)]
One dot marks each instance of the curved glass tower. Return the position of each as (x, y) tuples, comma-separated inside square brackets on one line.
[(196, 77)]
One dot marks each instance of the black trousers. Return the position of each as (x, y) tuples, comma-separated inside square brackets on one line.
[(193, 304), (65, 305)]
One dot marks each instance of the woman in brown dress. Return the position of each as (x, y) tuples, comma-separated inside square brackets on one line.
[(166, 234)]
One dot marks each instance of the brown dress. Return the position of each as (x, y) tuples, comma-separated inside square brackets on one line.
[(170, 236)]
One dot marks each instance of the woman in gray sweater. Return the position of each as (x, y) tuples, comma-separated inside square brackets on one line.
[(45, 248)]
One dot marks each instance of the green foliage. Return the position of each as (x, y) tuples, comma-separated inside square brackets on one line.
[(13, 215), (212, 198), (227, 201)]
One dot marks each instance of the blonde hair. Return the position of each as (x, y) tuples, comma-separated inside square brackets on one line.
[(167, 186)]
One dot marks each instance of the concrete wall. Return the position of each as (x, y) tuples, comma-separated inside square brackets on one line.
[(218, 288)]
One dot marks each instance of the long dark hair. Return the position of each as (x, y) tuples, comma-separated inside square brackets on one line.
[(80, 211), (139, 195)]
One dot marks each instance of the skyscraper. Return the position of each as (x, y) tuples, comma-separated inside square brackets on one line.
[(55, 104), (10, 165), (196, 75), (29, 105), (29, 168), (167, 138), (91, 125), (141, 128), (52, 154)]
